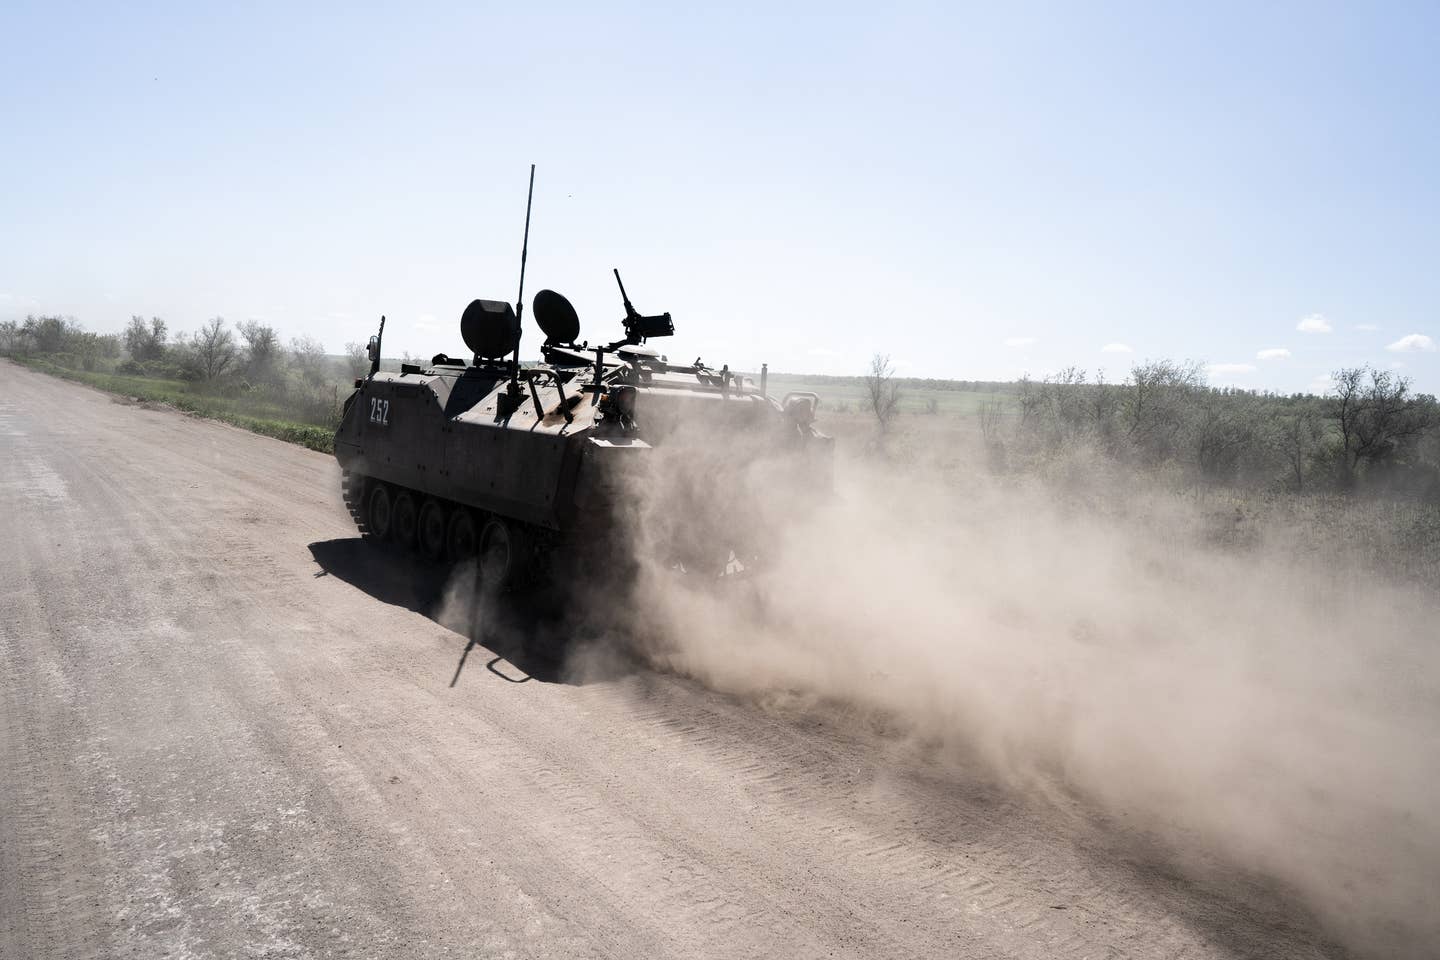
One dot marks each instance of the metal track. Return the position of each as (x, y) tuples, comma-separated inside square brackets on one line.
[(352, 488)]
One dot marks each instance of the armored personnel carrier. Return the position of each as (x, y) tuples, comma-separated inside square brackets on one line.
[(524, 463)]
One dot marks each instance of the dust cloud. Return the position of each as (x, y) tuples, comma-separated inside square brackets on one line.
[(1249, 705)]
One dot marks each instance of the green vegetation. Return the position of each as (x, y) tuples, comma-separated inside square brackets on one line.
[(846, 395), (182, 396), (249, 381), (1371, 434)]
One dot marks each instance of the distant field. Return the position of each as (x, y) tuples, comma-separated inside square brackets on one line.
[(848, 395)]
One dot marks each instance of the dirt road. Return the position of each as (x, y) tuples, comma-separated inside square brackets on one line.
[(228, 729)]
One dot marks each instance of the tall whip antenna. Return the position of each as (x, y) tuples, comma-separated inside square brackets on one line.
[(520, 297)]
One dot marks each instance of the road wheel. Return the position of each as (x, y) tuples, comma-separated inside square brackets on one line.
[(378, 511), (461, 539), (504, 556), (404, 519), (431, 530)]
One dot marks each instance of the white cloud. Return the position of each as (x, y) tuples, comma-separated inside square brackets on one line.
[(1273, 353), (1020, 341), (1412, 343), (1226, 370), (428, 322), (1117, 348), (1321, 384), (1367, 327), (1315, 323)]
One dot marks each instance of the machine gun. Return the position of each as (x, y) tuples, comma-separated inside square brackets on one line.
[(639, 328)]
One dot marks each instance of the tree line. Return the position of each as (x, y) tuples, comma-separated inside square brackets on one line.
[(1371, 430), (251, 351), (246, 360)]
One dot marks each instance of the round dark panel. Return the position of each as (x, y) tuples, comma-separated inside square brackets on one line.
[(490, 328), (556, 317)]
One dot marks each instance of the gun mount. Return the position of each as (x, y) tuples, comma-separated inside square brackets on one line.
[(640, 328)]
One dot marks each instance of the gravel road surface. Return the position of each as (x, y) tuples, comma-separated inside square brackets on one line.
[(229, 728)]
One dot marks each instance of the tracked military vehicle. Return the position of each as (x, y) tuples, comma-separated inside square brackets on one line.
[(523, 463)]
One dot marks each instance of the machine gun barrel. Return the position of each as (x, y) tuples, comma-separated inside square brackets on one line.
[(639, 328), (629, 307)]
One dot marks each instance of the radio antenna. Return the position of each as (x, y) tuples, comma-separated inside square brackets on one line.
[(520, 297)]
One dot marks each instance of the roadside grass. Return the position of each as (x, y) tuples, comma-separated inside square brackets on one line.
[(1397, 536), (843, 404), (261, 416)]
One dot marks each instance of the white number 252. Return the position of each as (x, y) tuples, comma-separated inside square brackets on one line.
[(380, 411)]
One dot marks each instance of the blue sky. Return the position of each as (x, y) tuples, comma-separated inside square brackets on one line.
[(979, 191)]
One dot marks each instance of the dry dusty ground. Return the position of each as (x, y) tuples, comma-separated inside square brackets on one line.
[(228, 729)]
